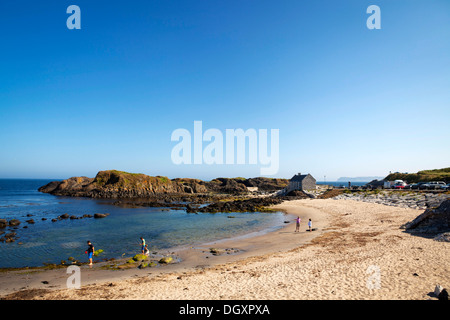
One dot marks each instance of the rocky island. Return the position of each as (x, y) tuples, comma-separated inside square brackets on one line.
[(120, 184)]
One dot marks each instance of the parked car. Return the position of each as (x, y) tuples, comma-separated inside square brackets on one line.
[(418, 185), (446, 187), (400, 185), (434, 185)]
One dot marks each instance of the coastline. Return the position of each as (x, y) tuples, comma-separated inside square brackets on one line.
[(197, 257), (354, 238)]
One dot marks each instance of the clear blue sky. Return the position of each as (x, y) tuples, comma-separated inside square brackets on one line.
[(348, 101)]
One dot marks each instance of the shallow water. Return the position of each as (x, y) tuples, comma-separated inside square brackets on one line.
[(118, 234)]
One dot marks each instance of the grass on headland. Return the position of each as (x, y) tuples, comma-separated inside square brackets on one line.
[(424, 175)]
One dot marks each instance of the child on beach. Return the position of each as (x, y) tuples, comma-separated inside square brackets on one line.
[(309, 225), (297, 228), (146, 251)]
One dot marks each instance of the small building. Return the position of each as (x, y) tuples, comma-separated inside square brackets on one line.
[(301, 182)]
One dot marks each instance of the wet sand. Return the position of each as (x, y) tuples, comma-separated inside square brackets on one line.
[(358, 252)]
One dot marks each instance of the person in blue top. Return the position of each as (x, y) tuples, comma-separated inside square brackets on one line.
[(143, 245)]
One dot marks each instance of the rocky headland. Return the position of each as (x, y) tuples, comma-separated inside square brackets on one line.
[(193, 195), (119, 184)]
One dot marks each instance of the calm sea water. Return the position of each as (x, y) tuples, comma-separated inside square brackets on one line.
[(118, 234), (342, 183)]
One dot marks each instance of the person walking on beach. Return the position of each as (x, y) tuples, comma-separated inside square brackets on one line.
[(142, 245), (297, 228), (90, 252), (309, 225)]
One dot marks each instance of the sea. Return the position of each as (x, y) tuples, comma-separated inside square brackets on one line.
[(118, 235), (342, 183)]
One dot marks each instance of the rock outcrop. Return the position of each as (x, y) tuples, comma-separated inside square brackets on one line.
[(112, 184), (100, 215), (432, 221), (119, 184), (247, 205)]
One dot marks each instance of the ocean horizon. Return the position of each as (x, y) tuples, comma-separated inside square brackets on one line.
[(342, 183)]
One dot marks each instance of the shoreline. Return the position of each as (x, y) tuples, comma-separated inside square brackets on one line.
[(336, 262), (196, 257), (103, 260)]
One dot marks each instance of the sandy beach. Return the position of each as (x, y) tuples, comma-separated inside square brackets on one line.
[(358, 252)]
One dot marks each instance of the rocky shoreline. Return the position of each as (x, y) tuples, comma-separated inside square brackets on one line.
[(245, 205), (403, 199)]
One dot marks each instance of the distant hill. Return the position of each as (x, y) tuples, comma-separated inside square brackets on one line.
[(358, 179), (424, 175)]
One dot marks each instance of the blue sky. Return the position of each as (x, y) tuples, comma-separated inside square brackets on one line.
[(348, 101)]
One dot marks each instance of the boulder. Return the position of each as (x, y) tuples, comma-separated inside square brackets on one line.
[(3, 223), (190, 208), (9, 237), (14, 222), (140, 257), (147, 265), (432, 220), (166, 260), (216, 252), (100, 215), (64, 216)]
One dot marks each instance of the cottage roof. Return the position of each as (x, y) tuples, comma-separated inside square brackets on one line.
[(299, 177)]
